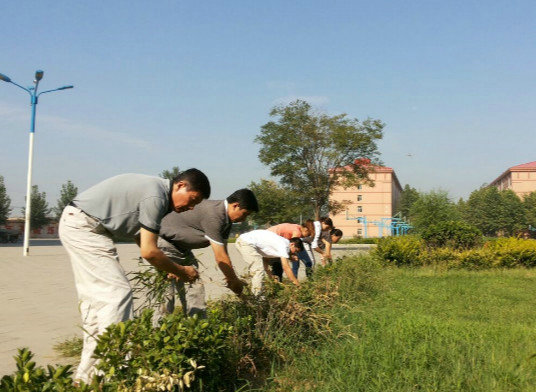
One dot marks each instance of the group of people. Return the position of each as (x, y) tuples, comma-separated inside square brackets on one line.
[(159, 215)]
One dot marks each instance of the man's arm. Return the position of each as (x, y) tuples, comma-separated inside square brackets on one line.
[(288, 271), (150, 252), (224, 263), (327, 251)]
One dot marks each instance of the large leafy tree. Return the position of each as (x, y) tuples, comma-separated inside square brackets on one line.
[(170, 174), (278, 204), (40, 210), (408, 197), (5, 202), (67, 194), (303, 147), (529, 203), (494, 211), (432, 208)]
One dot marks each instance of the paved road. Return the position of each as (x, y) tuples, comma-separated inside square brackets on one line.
[(38, 303)]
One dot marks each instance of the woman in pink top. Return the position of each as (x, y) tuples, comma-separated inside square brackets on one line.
[(292, 230)]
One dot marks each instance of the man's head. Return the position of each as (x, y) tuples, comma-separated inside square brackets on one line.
[(189, 188), (296, 245), (336, 235), (240, 204)]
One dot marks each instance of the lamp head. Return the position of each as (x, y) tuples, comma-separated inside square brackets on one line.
[(65, 87), (38, 75), (5, 78)]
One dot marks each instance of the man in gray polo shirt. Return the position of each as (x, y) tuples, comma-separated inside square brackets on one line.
[(112, 210), (209, 223)]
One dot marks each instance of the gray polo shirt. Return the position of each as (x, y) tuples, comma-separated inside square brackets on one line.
[(194, 229), (127, 202)]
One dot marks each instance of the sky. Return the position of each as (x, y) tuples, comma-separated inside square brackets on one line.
[(189, 84)]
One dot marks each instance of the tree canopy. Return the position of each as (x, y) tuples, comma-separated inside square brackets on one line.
[(408, 197), (432, 208), (302, 147), (170, 174), (39, 209), (5, 202), (278, 204), (67, 194)]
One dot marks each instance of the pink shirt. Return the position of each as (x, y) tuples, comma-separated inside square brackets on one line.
[(287, 230)]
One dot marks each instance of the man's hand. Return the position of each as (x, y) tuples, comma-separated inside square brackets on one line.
[(236, 285), (188, 274)]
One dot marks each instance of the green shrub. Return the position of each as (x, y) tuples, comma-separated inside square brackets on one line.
[(446, 258), (29, 378), (510, 252), (359, 240), (183, 350), (404, 250), (453, 234)]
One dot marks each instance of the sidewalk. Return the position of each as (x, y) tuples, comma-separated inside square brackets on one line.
[(38, 302)]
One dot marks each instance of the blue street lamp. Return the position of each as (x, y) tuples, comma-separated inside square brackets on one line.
[(34, 96)]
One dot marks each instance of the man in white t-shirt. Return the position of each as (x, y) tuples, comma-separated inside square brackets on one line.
[(259, 245)]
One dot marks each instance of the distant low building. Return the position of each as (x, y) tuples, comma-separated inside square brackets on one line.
[(521, 179), (17, 224), (368, 207)]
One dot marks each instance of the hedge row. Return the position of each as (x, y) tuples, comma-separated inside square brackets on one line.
[(501, 253)]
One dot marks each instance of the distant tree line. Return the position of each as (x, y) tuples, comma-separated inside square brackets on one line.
[(492, 211)]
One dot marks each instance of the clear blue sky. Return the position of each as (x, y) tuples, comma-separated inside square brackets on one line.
[(168, 83)]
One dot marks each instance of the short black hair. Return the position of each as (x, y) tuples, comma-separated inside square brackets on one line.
[(245, 198), (297, 243), (197, 181), (336, 232)]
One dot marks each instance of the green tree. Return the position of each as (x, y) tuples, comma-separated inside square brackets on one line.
[(495, 212), (432, 208), (303, 148), (67, 194), (40, 210), (170, 174), (278, 204), (5, 202), (408, 196), (529, 204)]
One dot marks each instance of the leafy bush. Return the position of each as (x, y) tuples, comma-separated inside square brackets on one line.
[(359, 240), (186, 350), (453, 234), (404, 250), (29, 378), (511, 252)]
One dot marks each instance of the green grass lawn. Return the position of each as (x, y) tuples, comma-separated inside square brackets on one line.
[(429, 331)]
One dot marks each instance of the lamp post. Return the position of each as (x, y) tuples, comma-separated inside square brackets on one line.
[(34, 97)]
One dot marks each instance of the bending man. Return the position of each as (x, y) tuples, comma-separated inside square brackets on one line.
[(116, 209), (208, 224)]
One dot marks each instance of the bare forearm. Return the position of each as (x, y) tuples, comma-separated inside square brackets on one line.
[(159, 260), (288, 271)]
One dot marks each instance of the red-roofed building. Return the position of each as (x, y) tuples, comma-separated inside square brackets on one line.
[(371, 202), (521, 179)]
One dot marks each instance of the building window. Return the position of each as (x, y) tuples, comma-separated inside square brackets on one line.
[(359, 208), (360, 186), (359, 231), (359, 197)]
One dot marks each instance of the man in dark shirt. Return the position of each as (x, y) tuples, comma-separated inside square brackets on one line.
[(208, 224)]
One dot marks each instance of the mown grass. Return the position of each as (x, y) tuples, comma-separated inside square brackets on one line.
[(428, 330)]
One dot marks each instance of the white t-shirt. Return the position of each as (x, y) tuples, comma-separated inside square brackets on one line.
[(318, 231), (267, 243)]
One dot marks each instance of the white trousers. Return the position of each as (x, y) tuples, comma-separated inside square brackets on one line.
[(253, 260), (104, 291)]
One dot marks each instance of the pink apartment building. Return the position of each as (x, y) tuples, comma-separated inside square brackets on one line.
[(521, 179), (375, 203)]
